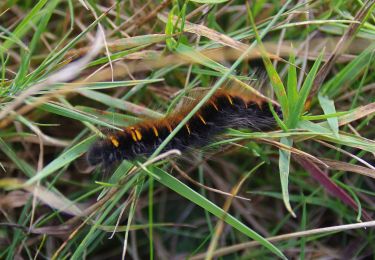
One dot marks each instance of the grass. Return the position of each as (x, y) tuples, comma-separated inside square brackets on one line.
[(70, 69)]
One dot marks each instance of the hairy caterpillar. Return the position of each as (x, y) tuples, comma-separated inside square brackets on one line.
[(225, 109)]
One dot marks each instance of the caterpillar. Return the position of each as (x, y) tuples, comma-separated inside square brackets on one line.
[(225, 109)]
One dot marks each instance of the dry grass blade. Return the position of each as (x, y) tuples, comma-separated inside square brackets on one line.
[(14, 199), (293, 150), (311, 232), (358, 113), (53, 199), (347, 153), (349, 167)]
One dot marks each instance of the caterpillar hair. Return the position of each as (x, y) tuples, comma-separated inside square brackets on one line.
[(225, 109)]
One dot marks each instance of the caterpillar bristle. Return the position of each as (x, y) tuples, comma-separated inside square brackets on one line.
[(225, 109)]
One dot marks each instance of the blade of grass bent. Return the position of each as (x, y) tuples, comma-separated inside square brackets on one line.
[(328, 107)]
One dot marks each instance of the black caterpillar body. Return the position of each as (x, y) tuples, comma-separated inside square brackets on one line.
[(223, 110)]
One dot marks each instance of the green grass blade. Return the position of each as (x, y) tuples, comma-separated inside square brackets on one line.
[(61, 110), (284, 168), (292, 90), (276, 82), (348, 73), (182, 189), (63, 160), (41, 27), (104, 217), (54, 59), (169, 29), (106, 85), (23, 27), (136, 41), (116, 56), (191, 54), (118, 103), (21, 164), (328, 107), (298, 107), (112, 118)]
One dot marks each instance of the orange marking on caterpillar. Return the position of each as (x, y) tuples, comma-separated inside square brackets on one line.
[(188, 128), (202, 119), (114, 141), (155, 131), (138, 134), (230, 99), (169, 127), (133, 134), (214, 105)]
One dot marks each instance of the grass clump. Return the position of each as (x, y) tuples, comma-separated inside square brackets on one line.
[(70, 69)]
